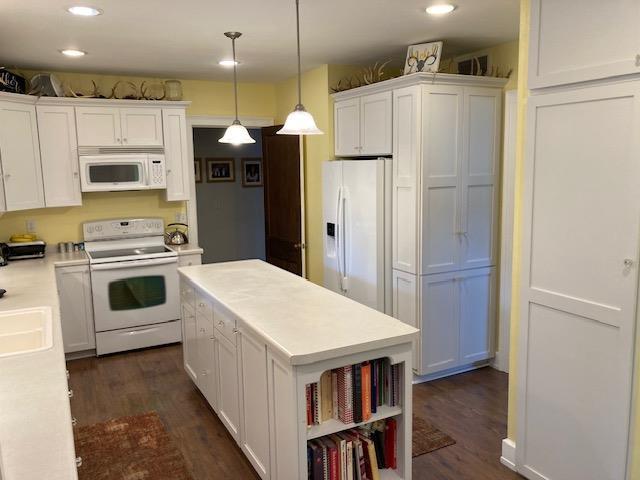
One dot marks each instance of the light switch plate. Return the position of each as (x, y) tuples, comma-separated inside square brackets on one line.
[(181, 217), (31, 226)]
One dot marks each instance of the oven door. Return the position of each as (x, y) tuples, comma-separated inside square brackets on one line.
[(135, 293), (99, 173)]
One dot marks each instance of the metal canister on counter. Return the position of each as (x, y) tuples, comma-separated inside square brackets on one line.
[(62, 247)]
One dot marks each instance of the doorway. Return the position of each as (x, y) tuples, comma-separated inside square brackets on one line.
[(230, 200)]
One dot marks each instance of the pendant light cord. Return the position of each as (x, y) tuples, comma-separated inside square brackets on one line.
[(299, 67), (235, 74)]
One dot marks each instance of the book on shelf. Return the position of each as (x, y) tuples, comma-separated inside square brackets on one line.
[(354, 454), (354, 393)]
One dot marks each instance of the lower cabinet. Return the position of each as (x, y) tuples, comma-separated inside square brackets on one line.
[(76, 308), (189, 260), (229, 398), (207, 371), (455, 313), (189, 341), (255, 407)]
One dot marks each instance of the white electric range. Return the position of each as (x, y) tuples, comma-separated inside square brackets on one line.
[(134, 282)]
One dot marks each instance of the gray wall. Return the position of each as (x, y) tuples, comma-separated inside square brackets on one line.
[(230, 216)]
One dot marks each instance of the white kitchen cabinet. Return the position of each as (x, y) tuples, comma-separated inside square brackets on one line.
[(407, 115), (141, 126), (579, 281), (346, 115), (477, 313), (363, 125), (59, 154), (189, 260), (100, 126), (76, 308), (190, 342), (176, 154), (405, 306), (254, 439), (20, 156), (207, 372), (229, 397), (571, 41)]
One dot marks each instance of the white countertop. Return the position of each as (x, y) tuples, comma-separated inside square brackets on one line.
[(33, 386), (186, 249), (303, 321)]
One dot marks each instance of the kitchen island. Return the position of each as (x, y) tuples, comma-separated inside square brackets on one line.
[(256, 336)]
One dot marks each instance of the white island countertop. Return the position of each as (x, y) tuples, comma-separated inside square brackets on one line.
[(306, 323)]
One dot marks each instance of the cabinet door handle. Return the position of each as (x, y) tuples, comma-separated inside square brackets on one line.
[(78, 462), (220, 323), (235, 330), (74, 421), (70, 393)]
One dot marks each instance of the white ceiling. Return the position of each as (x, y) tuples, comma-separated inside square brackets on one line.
[(174, 38)]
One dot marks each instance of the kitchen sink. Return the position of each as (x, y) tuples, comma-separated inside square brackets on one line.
[(24, 331)]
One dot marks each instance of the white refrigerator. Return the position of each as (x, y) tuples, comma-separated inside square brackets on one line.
[(357, 230)]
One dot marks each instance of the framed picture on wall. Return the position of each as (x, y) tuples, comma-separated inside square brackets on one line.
[(221, 170), (197, 166), (423, 58), (251, 172)]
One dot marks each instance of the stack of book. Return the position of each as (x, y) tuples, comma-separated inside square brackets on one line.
[(356, 454), (353, 393)]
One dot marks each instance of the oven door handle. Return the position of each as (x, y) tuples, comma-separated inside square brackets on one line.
[(134, 263)]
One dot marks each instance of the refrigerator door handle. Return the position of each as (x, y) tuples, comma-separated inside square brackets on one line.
[(338, 235), (344, 280)]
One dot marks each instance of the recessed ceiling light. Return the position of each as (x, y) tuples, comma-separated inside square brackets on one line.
[(84, 11), (440, 9), (70, 52), (227, 63)]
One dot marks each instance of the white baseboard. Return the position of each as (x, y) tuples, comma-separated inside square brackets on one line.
[(500, 362), (448, 373), (508, 458)]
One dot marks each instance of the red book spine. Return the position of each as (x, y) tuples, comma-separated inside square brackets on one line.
[(390, 459), (334, 463), (309, 417)]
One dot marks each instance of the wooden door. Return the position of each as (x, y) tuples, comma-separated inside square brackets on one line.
[(579, 283), (20, 156), (376, 124), (59, 153), (441, 159), (440, 330), (76, 308), (571, 41), (477, 292), (407, 115), (479, 178), (141, 126), (282, 208), (98, 126), (346, 116)]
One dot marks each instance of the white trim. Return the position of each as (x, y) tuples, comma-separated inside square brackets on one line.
[(206, 121), (22, 98), (508, 458), (501, 361), (303, 220), (448, 373)]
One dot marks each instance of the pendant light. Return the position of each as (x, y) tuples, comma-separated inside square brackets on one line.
[(236, 133), (299, 122)]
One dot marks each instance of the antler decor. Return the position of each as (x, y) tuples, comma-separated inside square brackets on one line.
[(95, 92), (367, 76)]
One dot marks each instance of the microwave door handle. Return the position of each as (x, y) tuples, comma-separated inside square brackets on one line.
[(134, 263)]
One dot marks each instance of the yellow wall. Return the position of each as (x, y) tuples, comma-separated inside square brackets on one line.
[(517, 223), (208, 98)]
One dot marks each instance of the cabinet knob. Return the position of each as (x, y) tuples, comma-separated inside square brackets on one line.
[(74, 421), (118, 140), (124, 140), (220, 323), (70, 393), (201, 304), (628, 263), (235, 330)]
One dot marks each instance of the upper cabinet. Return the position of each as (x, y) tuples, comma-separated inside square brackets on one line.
[(176, 154), (363, 125), (115, 126), (59, 153), (579, 41), (20, 156)]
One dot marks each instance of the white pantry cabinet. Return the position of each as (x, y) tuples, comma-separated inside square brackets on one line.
[(572, 41), (363, 125), (176, 154), (20, 155), (579, 282), (76, 308), (107, 126), (59, 154)]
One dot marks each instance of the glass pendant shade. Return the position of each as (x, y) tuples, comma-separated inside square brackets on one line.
[(236, 134), (300, 122)]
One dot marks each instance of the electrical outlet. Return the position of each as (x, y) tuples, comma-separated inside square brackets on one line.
[(181, 217), (31, 226)]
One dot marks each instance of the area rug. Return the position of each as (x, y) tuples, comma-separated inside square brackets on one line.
[(129, 448), (427, 438)]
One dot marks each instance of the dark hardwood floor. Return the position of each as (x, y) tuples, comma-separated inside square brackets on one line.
[(471, 407)]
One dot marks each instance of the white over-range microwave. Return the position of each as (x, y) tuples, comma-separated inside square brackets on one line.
[(109, 172)]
